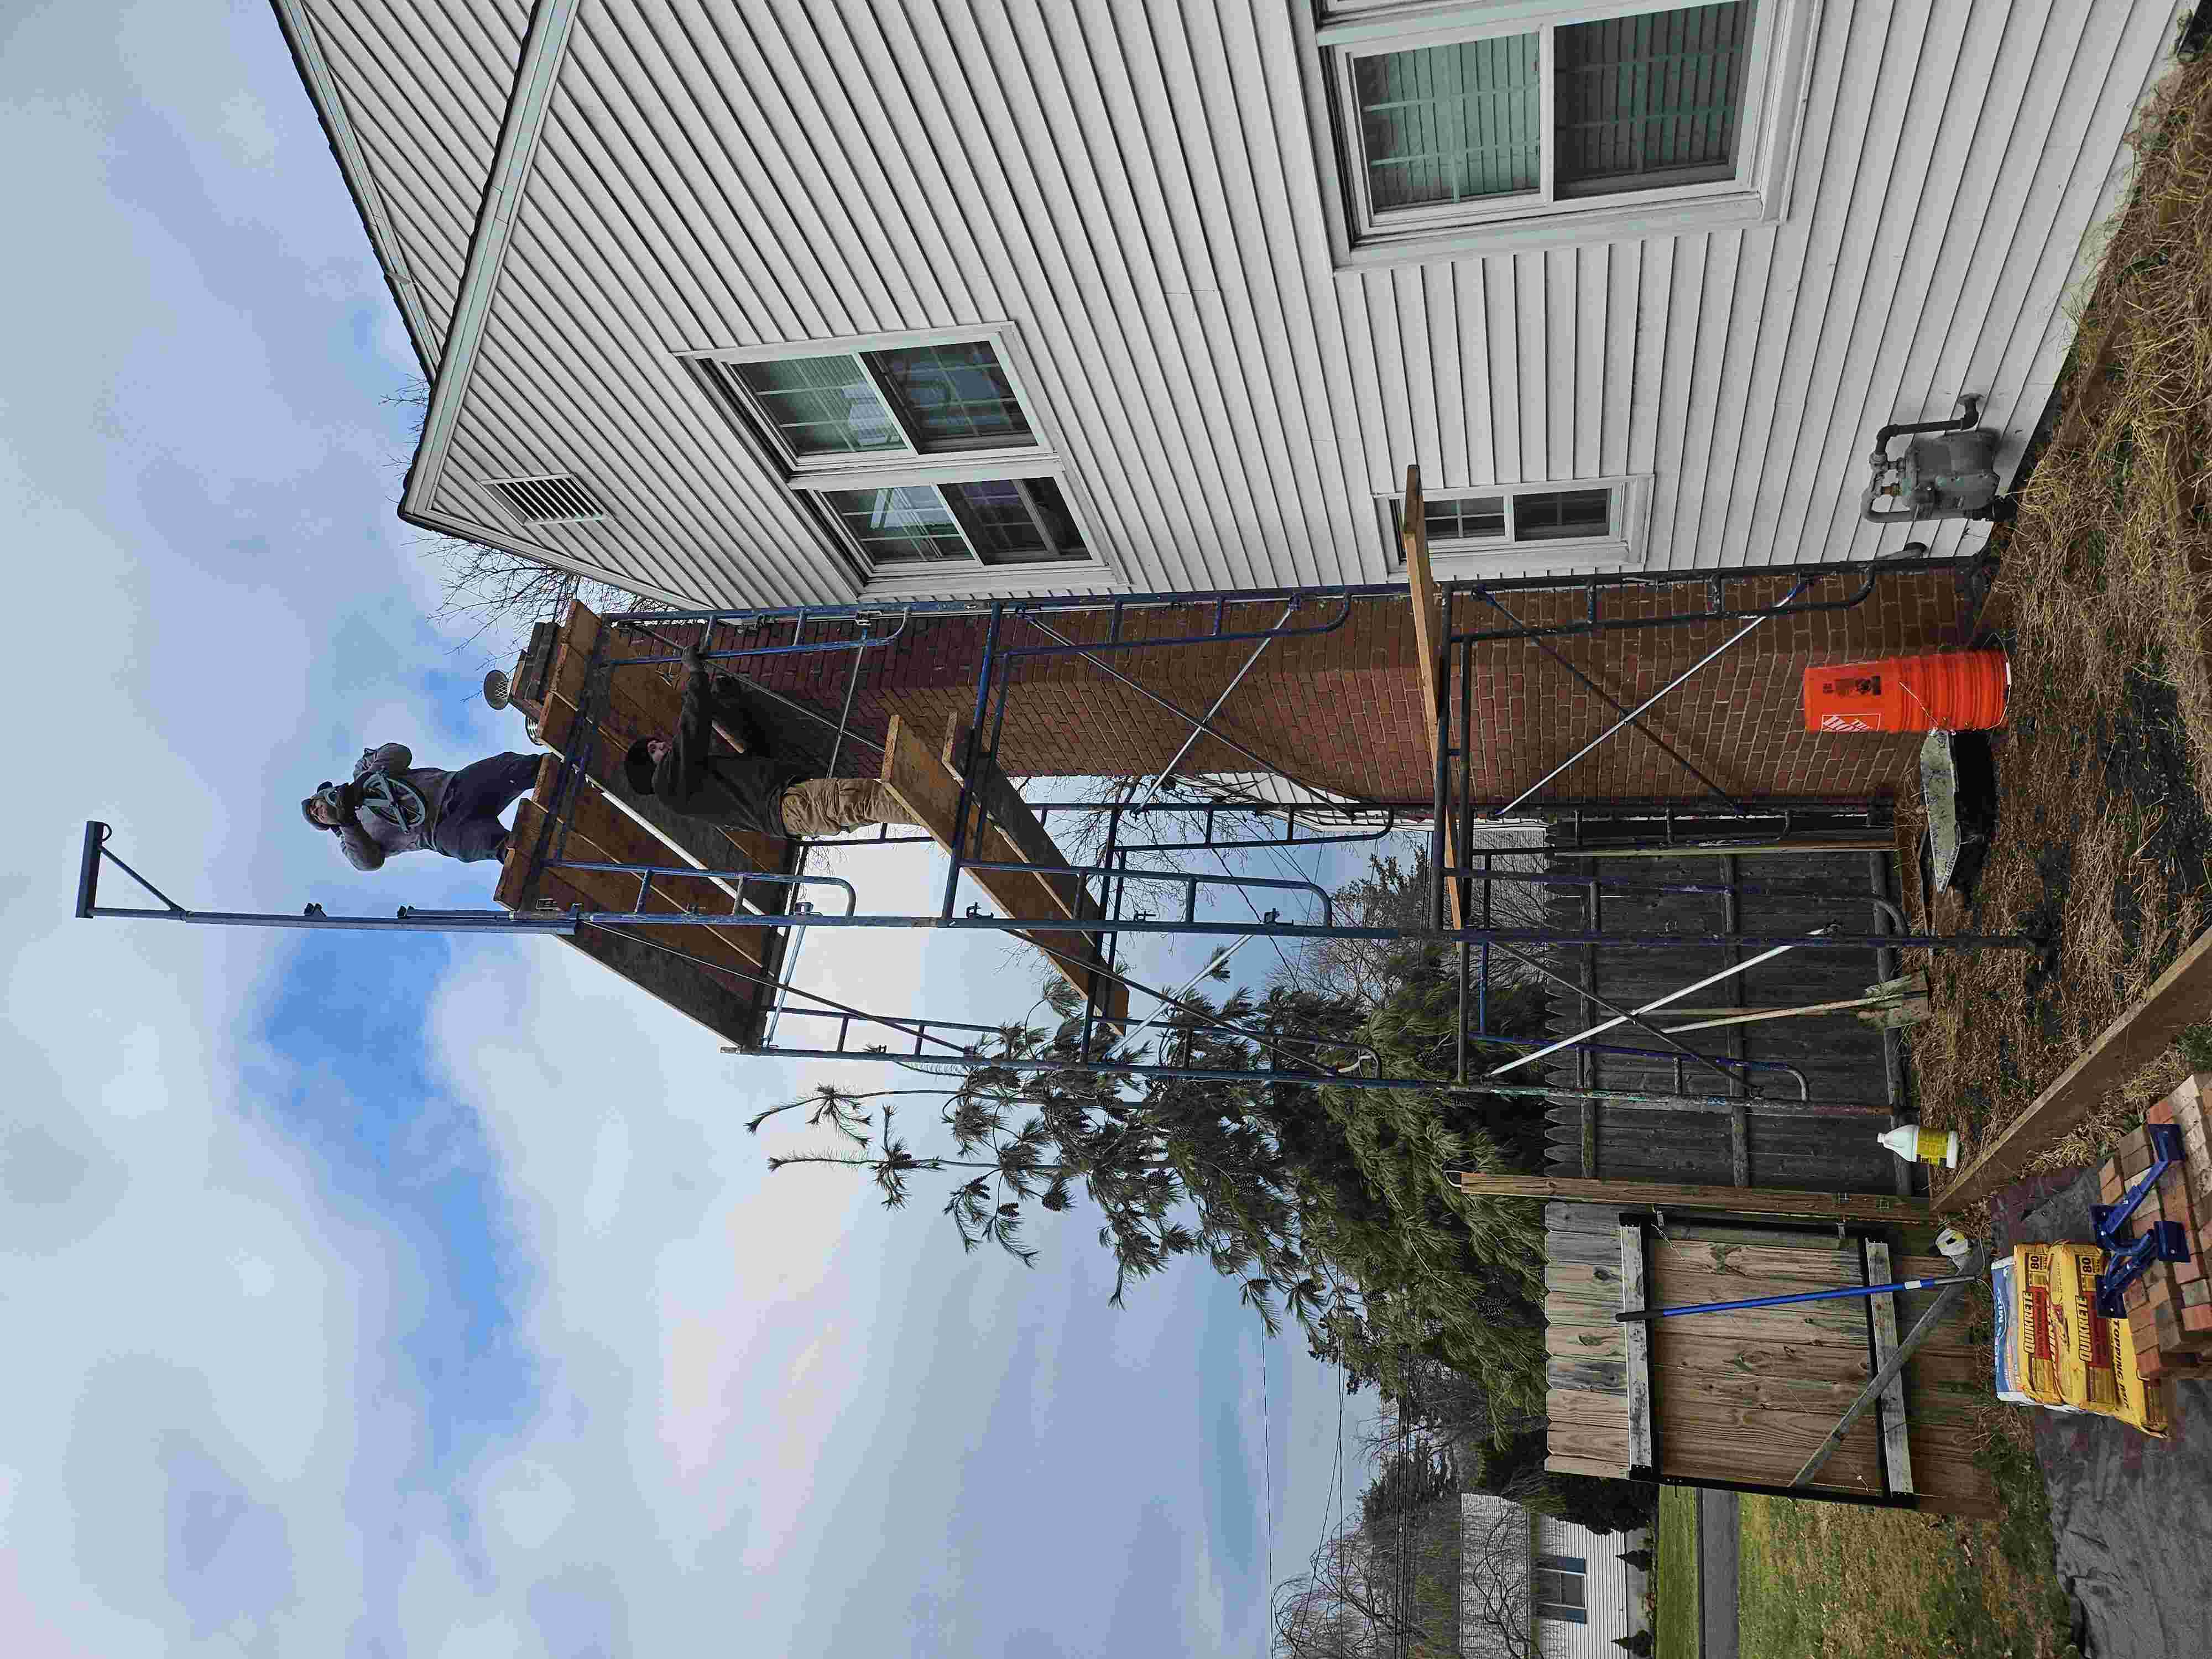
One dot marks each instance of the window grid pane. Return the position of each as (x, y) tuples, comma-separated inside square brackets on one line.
[(1452, 122), (821, 405), (953, 397), (1554, 1589), (904, 524), (1466, 519), (1553, 515), (1651, 100), (1023, 521)]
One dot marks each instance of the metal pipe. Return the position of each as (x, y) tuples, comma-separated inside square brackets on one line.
[(844, 714), (1176, 709), (87, 870), (1174, 998), (1560, 657), (1728, 972), (1501, 936), (1217, 637), (1970, 412), (1717, 652), (1788, 607), (1629, 1316), (1227, 691), (1190, 881), (968, 758), (739, 877), (1821, 1109), (429, 922)]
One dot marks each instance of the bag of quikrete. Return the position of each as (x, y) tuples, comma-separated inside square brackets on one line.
[(2035, 1346), (2141, 1404), (2080, 1340), (2056, 1350)]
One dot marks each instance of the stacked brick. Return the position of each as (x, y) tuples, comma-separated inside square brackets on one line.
[(2170, 1307)]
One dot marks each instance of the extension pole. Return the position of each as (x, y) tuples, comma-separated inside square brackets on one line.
[(1840, 1291)]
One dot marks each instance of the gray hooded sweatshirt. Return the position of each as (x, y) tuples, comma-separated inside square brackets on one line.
[(399, 809)]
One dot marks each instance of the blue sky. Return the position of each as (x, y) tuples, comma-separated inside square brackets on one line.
[(427, 1297)]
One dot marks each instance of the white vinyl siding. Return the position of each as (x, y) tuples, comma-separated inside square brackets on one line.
[(1135, 189), (1611, 1591), (1592, 524)]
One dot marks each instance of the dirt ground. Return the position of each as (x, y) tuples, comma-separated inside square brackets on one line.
[(2104, 598)]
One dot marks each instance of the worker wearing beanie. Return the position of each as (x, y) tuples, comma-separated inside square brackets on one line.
[(756, 790)]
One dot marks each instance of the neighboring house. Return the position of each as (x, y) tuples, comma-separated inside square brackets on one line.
[(1531, 1584), (772, 301)]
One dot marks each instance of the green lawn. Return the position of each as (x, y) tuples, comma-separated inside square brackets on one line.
[(1674, 1630)]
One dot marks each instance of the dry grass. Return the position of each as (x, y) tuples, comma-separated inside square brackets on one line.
[(2106, 768)]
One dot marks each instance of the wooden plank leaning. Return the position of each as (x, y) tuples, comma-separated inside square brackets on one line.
[(1882, 1327), (1430, 643), (918, 779), (2180, 997), (1642, 1461)]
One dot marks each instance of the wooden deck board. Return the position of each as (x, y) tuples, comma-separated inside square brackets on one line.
[(931, 796)]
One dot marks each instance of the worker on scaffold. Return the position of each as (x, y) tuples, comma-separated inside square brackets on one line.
[(393, 806), (756, 790)]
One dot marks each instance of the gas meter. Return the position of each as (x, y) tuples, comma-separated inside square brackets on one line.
[(1947, 471)]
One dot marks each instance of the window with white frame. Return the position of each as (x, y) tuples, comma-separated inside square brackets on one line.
[(921, 453), (1558, 1585), (1533, 520), (1555, 121)]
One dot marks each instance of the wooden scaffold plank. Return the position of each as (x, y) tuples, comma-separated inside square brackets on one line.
[(1432, 628), (1641, 1459), (930, 795)]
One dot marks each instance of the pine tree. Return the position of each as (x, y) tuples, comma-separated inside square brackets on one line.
[(1328, 1203)]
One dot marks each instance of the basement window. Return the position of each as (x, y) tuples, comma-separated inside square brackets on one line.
[(920, 455), (1445, 129), (1593, 521)]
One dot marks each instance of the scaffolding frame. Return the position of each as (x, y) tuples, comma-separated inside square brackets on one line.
[(1018, 631)]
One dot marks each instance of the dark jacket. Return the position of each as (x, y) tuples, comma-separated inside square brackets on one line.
[(744, 791), (392, 806)]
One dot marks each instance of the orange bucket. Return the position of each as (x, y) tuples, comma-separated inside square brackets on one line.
[(1958, 691)]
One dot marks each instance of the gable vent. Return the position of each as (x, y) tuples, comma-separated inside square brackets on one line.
[(563, 499)]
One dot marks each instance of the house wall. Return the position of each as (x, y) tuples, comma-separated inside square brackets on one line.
[(1342, 710), (1613, 1589), (1134, 187), (416, 89)]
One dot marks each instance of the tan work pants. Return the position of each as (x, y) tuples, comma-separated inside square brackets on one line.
[(830, 806)]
